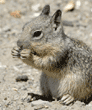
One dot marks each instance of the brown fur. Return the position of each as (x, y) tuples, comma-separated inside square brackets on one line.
[(66, 63)]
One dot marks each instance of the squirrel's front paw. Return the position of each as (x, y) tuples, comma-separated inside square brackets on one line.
[(15, 52), (25, 54)]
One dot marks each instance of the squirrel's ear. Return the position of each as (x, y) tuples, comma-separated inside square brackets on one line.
[(46, 10), (56, 19)]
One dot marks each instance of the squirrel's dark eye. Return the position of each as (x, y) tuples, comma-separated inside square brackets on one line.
[(38, 34)]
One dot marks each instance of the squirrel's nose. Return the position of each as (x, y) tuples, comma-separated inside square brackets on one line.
[(23, 43), (20, 43)]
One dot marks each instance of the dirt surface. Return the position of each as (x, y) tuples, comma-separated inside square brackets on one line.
[(13, 95)]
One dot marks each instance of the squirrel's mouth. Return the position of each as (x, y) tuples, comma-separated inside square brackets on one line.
[(33, 52)]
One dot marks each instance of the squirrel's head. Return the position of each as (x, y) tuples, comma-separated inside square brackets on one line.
[(42, 31)]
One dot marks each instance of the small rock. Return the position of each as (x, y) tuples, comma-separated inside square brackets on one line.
[(36, 14), (22, 78), (39, 102), (23, 88), (15, 89), (5, 98), (40, 107), (90, 104), (2, 1), (2, 66), (6, 29), (79, 103), (78, 4), (36, 7), (70, 6), (16, 14)]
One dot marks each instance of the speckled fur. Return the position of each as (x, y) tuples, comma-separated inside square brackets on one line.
[(66, 63)]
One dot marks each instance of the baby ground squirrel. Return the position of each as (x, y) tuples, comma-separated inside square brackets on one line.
[(66, 63)]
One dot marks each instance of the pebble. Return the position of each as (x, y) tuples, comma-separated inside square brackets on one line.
[(89, 105), (2, 66), (40, 107), (70, 6), (39, 102), (2, 1), (36, 7), (79, 103), (22, 78), (15, 89), (6, 28), (78, 4), (5, 98), (36, 14), (23, 88)]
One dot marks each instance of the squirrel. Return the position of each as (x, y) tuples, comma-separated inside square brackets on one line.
[(66, 63)]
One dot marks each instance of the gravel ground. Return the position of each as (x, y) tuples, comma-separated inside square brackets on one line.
[(13, 94)]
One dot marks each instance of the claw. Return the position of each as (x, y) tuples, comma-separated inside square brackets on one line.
[(15, 52), (70, 101), (66, 99)]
